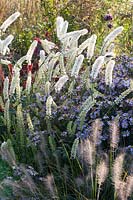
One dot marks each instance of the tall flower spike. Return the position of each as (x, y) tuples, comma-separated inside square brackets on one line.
[(111, 47), (5, 62), (83, 46), (49, 104), (91, 46), (109, 72), (47, 88), (47, 45), (109, 56), (18, 88), (29, 122), (19, 63), (9, 21), (5, 43), (61, 63), (110, 38), (7, 115), (77, 65), (31, 51), (28, 82), (6, 88), (97, 66), (64, 28), (74, 34), (59, 26), (15, 78), (60, 83), (42, 57)]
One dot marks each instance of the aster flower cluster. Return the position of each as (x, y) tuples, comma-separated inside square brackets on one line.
[(69, 106)]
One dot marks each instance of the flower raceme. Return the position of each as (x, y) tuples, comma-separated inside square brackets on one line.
[(9, 21)]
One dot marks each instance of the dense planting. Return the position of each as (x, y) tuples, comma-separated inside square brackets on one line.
[(66, 117)]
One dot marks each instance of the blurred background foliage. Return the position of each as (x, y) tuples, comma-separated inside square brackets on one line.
[(38, 19)]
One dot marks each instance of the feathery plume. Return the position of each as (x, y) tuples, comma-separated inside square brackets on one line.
[(49, 183), (117, 170), (129, 188), (125, 189), (114, 130), (86, 151), (102, 172), (7, 153), (121, 189), (96, 130)]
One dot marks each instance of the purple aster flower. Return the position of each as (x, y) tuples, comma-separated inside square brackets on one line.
[(124, 124), (110, 25), (125, 133), (130, 149), (108, 17), (131, 120)]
